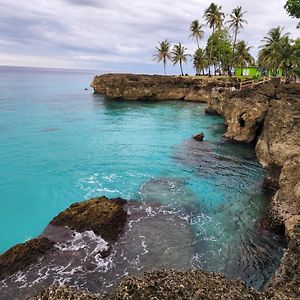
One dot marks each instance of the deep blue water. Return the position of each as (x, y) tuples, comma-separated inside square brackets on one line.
[(60, 143)]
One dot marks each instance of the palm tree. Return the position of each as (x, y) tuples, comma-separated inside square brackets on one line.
[(200, 61), (236, 22), (269, 55), (242, 55), (179, 55), (163, 53), (214, 19), (287, 56), (196, 31)]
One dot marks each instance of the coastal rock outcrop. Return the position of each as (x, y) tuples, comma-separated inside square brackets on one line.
[(155, 87), (22, 255), (270, 115), (103, 216)]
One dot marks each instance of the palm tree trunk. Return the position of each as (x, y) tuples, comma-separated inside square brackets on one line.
[(234, 43), (198, 42), (165, 70), (180, 62)]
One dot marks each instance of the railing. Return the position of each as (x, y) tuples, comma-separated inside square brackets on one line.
[(252, 83)]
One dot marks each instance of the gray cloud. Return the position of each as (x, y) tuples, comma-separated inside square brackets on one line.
[(116, 35)]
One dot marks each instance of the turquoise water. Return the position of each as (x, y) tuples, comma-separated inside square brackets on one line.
[(60, 143)]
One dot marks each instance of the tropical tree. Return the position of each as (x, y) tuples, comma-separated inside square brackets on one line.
[(197, 32), (242, 56), (179, 55), (296, 57), (236, 22), (200, 61), (214, 18), (287, 56), (163, 53), (270, 53), (219, 50), (293, 9)]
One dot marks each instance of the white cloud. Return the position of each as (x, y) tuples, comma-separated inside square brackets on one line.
[(115, 35)]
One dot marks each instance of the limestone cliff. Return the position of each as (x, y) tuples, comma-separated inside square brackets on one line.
[(155, 87), (270, 115)]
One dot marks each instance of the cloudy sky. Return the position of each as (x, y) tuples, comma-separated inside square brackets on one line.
[(116, 35)]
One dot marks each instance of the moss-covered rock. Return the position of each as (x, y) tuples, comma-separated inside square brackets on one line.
[(22, 255), (103, 216)]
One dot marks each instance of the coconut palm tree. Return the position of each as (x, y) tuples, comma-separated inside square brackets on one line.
[(269, 55), (236, 22), (200, 61), (196, 31), (242, 56), (163, 53), (214, 19), (179, 55)]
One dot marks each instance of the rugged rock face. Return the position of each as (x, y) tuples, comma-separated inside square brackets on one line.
[(286, 282), (103, 216), (22, 255), (270, 114), (147, 87), (63, 293)]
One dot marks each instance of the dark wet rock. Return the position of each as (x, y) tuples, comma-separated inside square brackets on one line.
[(286, 282), (199, 137), (63, 293), (154, 87), (22, 255), (103, 216), (183, 285)]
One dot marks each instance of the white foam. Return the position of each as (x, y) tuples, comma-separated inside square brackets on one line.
[(81, 241)]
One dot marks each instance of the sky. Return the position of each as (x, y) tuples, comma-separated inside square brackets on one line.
[(118, 35)]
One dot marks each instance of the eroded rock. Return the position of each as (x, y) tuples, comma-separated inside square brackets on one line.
[(155, 87), (199, 137), (22, 255), (103, 216)]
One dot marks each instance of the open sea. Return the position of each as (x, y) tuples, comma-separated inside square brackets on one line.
[(195, 205)]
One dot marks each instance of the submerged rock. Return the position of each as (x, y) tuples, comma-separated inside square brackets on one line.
[(22, 255), (103, 216), (169, 191)]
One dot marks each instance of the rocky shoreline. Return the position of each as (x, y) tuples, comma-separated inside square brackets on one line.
[(268, 116)]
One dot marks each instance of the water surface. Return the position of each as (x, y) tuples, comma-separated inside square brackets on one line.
[(60, 143)]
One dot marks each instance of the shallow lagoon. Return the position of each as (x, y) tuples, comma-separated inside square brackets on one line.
[(61, 144)]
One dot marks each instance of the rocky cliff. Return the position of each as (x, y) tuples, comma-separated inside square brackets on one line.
[(154, 87), (270, 116)]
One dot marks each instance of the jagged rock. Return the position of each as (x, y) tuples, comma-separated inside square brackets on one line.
[(22, 255), (103, 216), (199, 137), (169, 285), (63, 293), (286, 281), (154, 87)]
